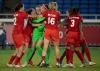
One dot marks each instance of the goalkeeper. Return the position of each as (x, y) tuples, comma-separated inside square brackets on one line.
[(37, 38)]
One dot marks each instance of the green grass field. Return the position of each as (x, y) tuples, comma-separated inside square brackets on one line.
[(5, 55)]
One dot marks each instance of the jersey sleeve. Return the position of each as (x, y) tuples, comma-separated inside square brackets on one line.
[(25, 15)]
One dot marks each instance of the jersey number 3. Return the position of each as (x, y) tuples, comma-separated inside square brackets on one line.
[(51, 21), (72, 23)]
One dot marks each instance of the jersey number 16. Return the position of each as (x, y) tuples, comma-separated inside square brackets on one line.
[(51, 21)]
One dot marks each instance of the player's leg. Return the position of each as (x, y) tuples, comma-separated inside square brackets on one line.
[(46, 44), (55, 38), (30, 60), (39, 47), (86, 50), (9, 64), (69, 59), (18, 56), (47, 56), (69, 42), (69, 50), (35, 38), (30, 52), (18, 42), (71, 54), (56, 45), (62, 57), (80, 56)]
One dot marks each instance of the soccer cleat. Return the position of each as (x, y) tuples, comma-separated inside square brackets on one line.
[(66, 65), (17, 66), (92, 63), (58, 65), (71, 65), (24, 65), (10, 65), (82, 65)]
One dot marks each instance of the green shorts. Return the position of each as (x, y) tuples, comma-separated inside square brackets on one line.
[(37, 35)]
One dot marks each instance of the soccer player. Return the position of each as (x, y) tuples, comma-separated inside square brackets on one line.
[(37, 35), (84, 48), (74, 32), (18, 34), (51, 31), (28, 34)]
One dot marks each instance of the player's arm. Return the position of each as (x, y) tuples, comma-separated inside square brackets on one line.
[(80, 29), (36, 25), (38, 22)]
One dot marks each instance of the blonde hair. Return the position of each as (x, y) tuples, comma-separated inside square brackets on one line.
[(55, 3)]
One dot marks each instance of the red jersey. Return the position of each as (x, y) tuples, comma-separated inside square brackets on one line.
[(19, 18), (52, 18), (73, 23)]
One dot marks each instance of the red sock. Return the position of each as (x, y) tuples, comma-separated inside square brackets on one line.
[(67, 56), (43, 58), (88, 54), (11, 59), (80, 56), (71, 56), (62, 57), (17, 60), (58, 60), (31, 63)]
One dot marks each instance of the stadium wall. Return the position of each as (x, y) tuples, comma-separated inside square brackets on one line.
[(91, 32)]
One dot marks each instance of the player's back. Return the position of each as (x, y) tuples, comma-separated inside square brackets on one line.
[(19, 18), (73, 23), (52, 18)]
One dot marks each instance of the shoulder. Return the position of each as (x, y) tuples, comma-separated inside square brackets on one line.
[(44, 13)]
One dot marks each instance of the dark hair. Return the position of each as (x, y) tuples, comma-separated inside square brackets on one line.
[(29, 11), (73, 11), (46, 5), (18, 7)]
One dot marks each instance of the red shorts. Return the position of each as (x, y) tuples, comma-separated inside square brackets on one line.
[(52, 34), (18, 39), (27, 39), (73, 38)]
